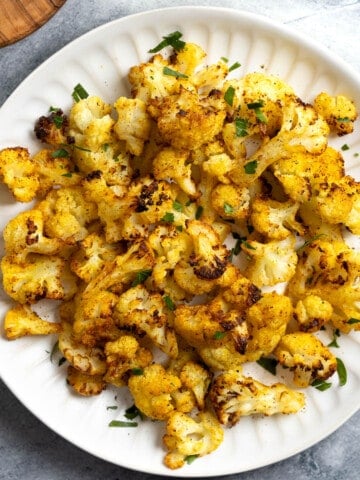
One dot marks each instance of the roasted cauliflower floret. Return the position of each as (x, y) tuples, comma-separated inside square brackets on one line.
[(339, 112), (21, 320), (275, 219), (133, 124), (52, 129), (189, 58), (233, 396), (231, 202), (40, 277), (152, 391), (24, 234), (83, 383), (312, 313), (186, 121), (144, 313), (306, 356), (186, 436), (123, 357), (18, 172), (272, 262)]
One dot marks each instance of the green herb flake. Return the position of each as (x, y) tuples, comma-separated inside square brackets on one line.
[(79, 93), (132, 412), (250, 167), (341, 371), (199, 212), (190, 459), (234, 66), (336, 335), (269, 364), (137, 371), (228, 209), (171, 40), (68, 174), (173, 73), (353, 321), (310, 241), (219, 335), (141, 277), (168, 217), (343, 120), (58, 120), (120, 423), (178, 206), (345, 147), (60, 153), (237, 248), (321, 385), (83, 149), (229, 95), (169, 303), (241, 125), (257, 106), (111, 407), (224, 59), (356, 154)]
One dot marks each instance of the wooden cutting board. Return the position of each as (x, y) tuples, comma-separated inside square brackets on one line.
[(19, 18)]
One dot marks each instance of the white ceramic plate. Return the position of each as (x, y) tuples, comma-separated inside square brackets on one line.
[(100, 61)]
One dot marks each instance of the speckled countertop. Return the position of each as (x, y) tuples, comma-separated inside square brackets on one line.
[(28, 449)]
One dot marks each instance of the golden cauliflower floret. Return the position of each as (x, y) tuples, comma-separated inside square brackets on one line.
[(21, 320), (312, 312), (275, 220), (92, 254), (133, 124), (186, 121), (40, 277), (210, 77), (231, 202), (233, 396), (24, 234), (196, 379), (18, 172), (83, 383), (148, 80), (272, 262), (189, 58), (67, 214), (306, 356), (339, 112), (152, 391), (302, 129), (89, 360), (145, 313), (301, 172), (186, 436), (174, 164), (123, 357), (267, 320)]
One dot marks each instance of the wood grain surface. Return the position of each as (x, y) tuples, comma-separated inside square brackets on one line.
[(19, 18)]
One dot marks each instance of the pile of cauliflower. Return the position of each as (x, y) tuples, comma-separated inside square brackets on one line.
[(166, 222)]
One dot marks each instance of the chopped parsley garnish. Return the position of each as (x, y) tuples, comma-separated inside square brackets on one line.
[(268, 363), (224, 59), (336, 335), (229, 95), (341, 371), (120, 423), (345, 147), (168, 217), (171, 40), (177, 206), (79, 93), (219, 335), (173, 73), (199, 212), (343, 120), (257, 106), (321, 385), (112, 407), (190, 459), (353, 321), (60, 153), (228, 209), (68, 174), (310, 241), (169, 303), (234, 66), (250, 167), (241, 125), (141, 277), (132, 412), (137, 371)]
